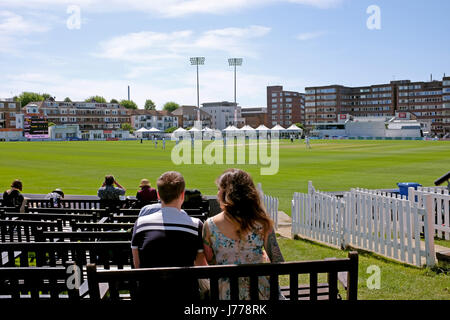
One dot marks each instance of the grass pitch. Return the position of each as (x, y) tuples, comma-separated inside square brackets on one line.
[(332, 165)]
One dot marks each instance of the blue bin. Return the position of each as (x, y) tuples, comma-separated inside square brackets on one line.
[(403, 187)]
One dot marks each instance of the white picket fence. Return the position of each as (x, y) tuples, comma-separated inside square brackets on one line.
[(440, 207), (380, 223), (271, 205)]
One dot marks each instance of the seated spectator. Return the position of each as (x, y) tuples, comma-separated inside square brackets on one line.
[(55, 198), (110, 192), (13, 198), (146, 195), (167, 238), (242, 233)]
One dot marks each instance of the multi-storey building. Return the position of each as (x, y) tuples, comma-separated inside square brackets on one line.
[(284, 107), (425, 100), (187, 115), (161, 120), (224, 114), (325, 104), (88, 115), (255, 117), (8, 111)]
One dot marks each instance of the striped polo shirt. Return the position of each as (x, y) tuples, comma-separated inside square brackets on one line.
[(167, 237)]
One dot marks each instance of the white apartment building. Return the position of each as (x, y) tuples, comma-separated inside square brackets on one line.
[(161, 120), (223, 114)]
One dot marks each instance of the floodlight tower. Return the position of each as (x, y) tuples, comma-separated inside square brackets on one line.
[(196, 61), (235, 62)]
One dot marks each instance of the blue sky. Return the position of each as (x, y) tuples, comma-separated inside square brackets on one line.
[(147, 45)]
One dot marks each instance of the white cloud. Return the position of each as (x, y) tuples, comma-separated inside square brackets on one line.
[(12, 24), (165, 8), (14, 30), (145, 46), (310, 35)]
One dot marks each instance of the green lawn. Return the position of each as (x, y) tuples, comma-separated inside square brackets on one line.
[(398, 282), (79, 167)]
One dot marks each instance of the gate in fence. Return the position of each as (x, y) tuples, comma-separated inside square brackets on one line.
[(386, 224)]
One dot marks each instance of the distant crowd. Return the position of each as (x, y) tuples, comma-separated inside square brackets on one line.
[(164, 235)]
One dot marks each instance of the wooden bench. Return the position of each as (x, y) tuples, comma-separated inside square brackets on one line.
[(62, 211), (123, 283), (107, 254), (25, 230), (65, 218), (35, 284), (84, 236)]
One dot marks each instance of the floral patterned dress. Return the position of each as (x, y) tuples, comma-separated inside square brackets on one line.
[(245, 251)]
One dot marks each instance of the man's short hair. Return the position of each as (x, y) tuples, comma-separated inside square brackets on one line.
[(17, 184), (109, 180), (170, 186)]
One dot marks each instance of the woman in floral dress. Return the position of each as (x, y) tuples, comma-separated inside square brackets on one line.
[(241, 234)]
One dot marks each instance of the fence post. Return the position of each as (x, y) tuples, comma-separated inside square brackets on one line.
[(343, 217), (311, 189), (429, 231)]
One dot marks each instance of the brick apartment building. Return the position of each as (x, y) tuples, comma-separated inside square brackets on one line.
[(8, 111), (255, 117), (187, 115), (427, 101), (284, 107)]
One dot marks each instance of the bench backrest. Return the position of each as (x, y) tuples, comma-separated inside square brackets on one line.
[(25, 230), (122, 279), (100, 212), (116, 253), (36, 284), (84, 236), (66, 218)]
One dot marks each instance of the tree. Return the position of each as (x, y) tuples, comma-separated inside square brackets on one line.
[(51, 124), (98, 99), (129, 104), (127, 127), (171, 106), (26, 97), (114, 101), (300, 125), (149, 105), (170, 130), (67, 99), (46, 96)]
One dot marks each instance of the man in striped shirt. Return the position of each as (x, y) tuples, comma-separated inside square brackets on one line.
[(168, 237)]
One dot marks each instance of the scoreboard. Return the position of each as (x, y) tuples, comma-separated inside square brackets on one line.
[(35, 127)]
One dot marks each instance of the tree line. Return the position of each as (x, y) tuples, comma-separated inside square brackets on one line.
[(26, 97)]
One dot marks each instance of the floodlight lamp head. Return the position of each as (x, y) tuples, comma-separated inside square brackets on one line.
[(235, 61), (197, 61)]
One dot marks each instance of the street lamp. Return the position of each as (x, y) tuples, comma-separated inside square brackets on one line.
[(196, 61), (235, 62)]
